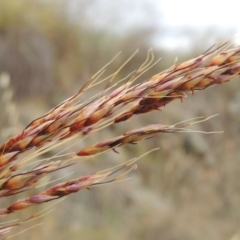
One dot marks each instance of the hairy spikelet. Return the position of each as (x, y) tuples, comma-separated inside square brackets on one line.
[(74, 119)]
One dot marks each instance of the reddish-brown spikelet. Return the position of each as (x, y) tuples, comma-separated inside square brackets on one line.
[(71, 117)]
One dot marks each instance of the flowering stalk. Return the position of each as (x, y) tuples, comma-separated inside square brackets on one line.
[(73, 118)]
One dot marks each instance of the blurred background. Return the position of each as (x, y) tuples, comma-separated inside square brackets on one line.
[(189, 188)]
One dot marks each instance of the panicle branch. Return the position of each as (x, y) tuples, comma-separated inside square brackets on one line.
[(74, 118)]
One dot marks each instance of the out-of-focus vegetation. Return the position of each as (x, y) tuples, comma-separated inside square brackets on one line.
[(189, 189), (9, 112)]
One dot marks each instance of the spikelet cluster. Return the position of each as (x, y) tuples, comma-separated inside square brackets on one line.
[(73, 119)]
